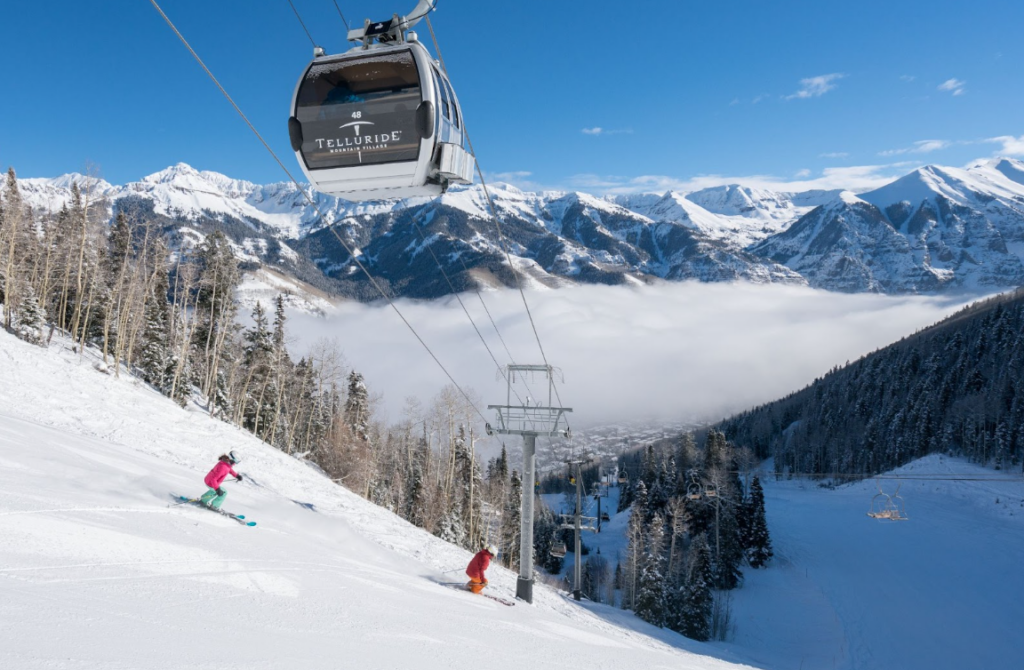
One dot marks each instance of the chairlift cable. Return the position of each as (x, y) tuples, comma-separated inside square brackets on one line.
[(497, 223), (444, 274), (302, 23), (308, 199), (343, 19)]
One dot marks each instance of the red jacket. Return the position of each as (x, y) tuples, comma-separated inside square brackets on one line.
[(219, 473), (478, 565)]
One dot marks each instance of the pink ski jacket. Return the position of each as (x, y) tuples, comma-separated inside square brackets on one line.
[(219, 473)]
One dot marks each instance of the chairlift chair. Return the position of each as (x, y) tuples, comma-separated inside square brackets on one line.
[(558, 549), (380, 120), (884, 506), (711, 491)]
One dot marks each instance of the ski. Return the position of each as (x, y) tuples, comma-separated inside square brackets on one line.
[(240, 518), (461, 586)]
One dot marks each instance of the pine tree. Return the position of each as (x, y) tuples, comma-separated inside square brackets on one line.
[(259, 397), (357, 409), (154, 361), (634, 551), (545, 534), (511, 522), (31, 318), (697, 600), (651, 598), (758, 544)]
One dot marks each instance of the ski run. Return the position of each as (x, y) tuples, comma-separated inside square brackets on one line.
[(98, 571)]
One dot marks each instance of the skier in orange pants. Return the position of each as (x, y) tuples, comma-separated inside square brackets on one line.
[(478, 566)]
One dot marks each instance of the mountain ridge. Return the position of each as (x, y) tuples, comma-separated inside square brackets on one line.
[(934, 229)]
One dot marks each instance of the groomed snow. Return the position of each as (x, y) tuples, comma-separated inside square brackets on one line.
[(96, 571)]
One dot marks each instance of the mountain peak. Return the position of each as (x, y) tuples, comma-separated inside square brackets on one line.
[(170, 174)]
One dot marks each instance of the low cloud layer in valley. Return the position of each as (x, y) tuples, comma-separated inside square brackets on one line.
[(670, 352)]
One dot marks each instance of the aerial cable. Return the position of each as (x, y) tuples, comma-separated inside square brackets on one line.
[(462, 304), (305, 195), (497, 223), (343, 19), (301, 23)]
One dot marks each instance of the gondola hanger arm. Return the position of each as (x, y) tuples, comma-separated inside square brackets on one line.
[(395, 26)]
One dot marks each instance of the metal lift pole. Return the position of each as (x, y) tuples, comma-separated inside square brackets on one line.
[(524, 584), (577, 568)]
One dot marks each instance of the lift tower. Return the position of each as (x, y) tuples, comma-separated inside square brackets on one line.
[(577, 525), (531, 421)]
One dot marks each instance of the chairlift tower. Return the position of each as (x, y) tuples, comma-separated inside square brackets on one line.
[(531, 421), (577, 526)]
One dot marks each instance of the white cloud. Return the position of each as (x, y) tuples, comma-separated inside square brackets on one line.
[(834, 154), (814, 87), (1012, 146), (801, 174), (955, 86), (854, 178), (672, 350), (920, 147), (759, 98), (597, 130), (908, 77)]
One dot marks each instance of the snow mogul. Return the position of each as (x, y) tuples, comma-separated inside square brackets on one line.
[(478, 566), (214, 498)]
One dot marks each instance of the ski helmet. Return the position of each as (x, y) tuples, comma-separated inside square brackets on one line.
[(233, 456), (491, 549)]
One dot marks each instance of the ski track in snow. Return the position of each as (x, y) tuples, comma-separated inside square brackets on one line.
[(98, 571)]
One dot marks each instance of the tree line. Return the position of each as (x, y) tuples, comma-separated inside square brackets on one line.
[(955, 388)]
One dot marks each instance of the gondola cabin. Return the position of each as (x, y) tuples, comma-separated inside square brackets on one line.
[(379, 121)]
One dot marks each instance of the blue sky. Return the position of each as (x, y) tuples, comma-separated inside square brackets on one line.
[(598, 96)]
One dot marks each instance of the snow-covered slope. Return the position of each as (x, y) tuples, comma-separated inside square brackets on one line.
[(96, 571)]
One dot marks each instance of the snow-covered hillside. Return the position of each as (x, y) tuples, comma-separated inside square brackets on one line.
[(96, 571)]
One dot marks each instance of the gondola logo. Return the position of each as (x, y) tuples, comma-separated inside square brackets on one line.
[(359, 142), (356, 125)]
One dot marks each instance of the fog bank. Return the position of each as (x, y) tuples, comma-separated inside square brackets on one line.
[(671, 351)]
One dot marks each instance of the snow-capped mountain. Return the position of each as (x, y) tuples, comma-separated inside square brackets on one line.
[(936, 228)]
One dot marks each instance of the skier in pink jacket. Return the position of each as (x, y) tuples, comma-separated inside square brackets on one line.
[(214, 498)]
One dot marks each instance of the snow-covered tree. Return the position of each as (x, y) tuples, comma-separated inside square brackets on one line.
[(651, 600), (758, 544), (693, 619), (31, 318)]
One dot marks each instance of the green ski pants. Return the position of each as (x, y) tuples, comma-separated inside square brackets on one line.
[(214, 498)]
